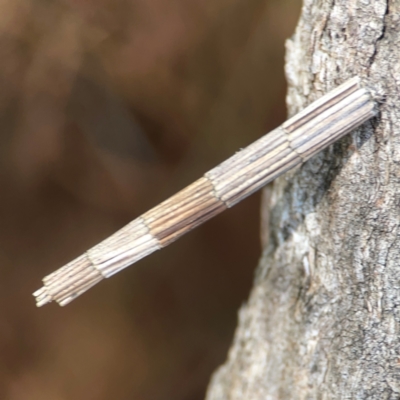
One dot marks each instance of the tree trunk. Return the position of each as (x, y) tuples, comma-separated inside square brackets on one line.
[(323, 317)]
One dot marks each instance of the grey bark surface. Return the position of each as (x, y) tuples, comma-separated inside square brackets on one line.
[(323, 317)]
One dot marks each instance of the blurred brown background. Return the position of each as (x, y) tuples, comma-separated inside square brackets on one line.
[(106, 108)]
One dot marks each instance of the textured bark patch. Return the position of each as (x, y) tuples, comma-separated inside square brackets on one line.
[(324, 310)]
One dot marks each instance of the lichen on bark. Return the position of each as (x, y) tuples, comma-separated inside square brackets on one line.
[(323, 317)]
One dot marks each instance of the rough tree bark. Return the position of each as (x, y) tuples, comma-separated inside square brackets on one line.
[(323, 317)]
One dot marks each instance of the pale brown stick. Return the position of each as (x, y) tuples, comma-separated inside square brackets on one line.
[(313, 129)]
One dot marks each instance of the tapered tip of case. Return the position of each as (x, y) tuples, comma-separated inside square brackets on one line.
[(68, 282)]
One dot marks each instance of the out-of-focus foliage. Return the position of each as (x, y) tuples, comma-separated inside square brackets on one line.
[(106, 108)]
